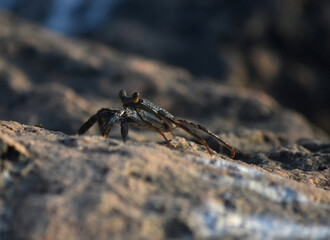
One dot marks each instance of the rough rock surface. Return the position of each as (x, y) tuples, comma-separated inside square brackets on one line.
[(59, 82), (56, 186), (269, 45), (280, 46)]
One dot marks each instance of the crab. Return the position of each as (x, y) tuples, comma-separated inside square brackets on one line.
[(141, 113)]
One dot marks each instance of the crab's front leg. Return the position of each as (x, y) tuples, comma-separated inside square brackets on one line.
[(115, 118), (124, 131), (102, 117)]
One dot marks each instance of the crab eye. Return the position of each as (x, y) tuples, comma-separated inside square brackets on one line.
[(136, 97), (122, 94)]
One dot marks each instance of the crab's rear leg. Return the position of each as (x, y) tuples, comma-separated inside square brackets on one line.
[(206, 130), (182, 126), (153, 127)]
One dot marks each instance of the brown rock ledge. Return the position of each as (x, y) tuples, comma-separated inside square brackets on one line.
[(56, 186)]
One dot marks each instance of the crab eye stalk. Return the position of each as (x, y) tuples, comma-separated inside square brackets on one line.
[(122, 94), (135, 97)]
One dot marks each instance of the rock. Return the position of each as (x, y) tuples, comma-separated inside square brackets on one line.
[(88, 187), (55, 185), (59, 82), (69, 17), (268, 45), (297, 162)]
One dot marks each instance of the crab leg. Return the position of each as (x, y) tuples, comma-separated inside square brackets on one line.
[(170, 122), (152, 126), (92, 120), (101, 117), (176, 123), (206, 130)]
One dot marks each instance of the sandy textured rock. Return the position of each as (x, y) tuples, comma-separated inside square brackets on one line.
[(88, 187), (305, 160)]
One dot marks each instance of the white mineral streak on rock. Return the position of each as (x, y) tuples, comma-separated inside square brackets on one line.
[(222, 163), (254, 180), (214, 220)]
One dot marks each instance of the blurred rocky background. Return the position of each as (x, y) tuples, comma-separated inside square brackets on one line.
[(281, 47), (254, 72)]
